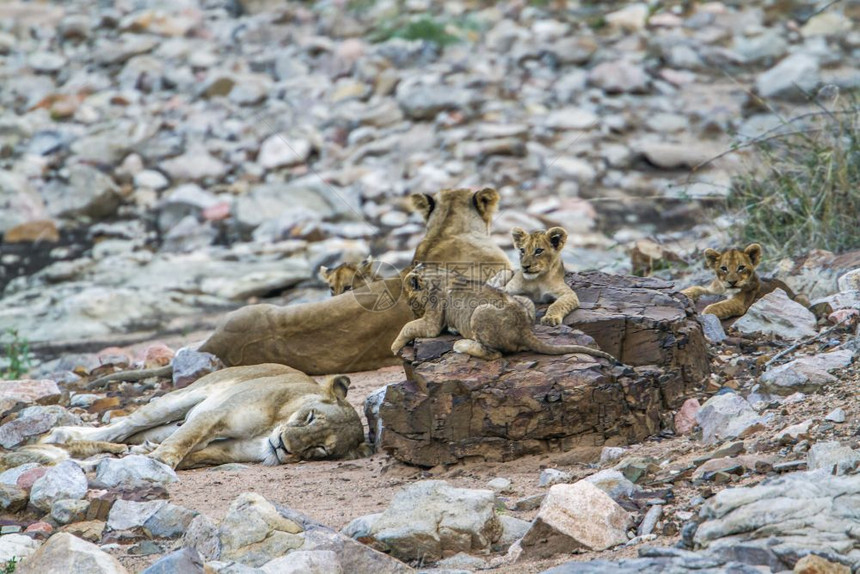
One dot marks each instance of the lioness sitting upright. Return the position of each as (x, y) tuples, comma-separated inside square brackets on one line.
[(736, 277), (541, 273), (263, 413), (349, 276), (491, 321)]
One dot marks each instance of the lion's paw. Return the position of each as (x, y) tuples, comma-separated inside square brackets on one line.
[(145, 448), (551, 320)]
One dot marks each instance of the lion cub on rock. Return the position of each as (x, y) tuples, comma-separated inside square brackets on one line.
[(736, 277), (541, 274), (491, 321), (348, 276)]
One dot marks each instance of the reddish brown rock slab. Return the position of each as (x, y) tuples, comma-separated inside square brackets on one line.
[(641, 321), (453, 407)]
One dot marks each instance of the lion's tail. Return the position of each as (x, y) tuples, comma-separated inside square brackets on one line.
[(131, 375), (535, 344)]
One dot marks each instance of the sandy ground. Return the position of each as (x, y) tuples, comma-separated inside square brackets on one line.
[(333, 493)]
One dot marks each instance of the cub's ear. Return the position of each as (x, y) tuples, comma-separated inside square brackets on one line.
[(486, 201), (557, 237), (423, 204), (753, 251), (323, 273), (711, 257), (337, 387), (519, 235), (365, 265)]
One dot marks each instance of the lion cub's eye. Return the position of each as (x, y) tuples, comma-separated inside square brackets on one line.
[(724, 268), (741, 267), (538, 251), (523, 251), (347, 288)]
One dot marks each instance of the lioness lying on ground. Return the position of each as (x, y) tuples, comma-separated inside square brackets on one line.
[(736, 277), (349, 276), (491, 321), (265, 413), (354, 331), (541, 273)]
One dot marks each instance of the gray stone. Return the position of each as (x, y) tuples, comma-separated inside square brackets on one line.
[(66, 553), (89, 193), (500, 485), (837, 415), (71, 510), (253, 532), (619, 76), (649, 521), (793, 78), (17, 546), (609, 454), (46, 62), (196, 164), (134, 472), (360, 527), (423, 101), (13, 498), (784, 518), (63, 481), (305, 562), (776, 314), (128, 514), (806, 374), (371, 413), (833, 457), (170, 521), (512, 530), (429, 519), (550, 476), (19, 202), (34, 421), (190, 365), (613, 483), (762, 48), (183, 561), (283, 151), (202, 536), (725, 416), (10, 476), (460, 562), (713, 328), (575, 516)]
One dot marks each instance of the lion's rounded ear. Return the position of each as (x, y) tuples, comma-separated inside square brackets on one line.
[(485, 201), (323, 273), (337, 386), (518, 234), (423, 204), (711, 257), (366, 264), (753, 251), (557, 237)]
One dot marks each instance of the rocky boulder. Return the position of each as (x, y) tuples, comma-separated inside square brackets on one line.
[(64, 481), (782, 519), (453, 407), (133, 472), (66, 553), (727, 415), (575, 516), (430, 520), (776, 314), (806, 374)]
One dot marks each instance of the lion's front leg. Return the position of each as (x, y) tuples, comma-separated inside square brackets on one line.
[(733, 307), (560, 309), (697, 291), (194, 434), (430, 325)]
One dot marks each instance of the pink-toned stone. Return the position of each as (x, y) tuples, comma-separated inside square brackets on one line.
[(157, 355), (114, 356), (42, 391), (685, 418), (27, 478), (217, 212), (40, 528), (841, 315)]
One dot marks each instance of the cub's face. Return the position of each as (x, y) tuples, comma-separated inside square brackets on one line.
[(734, 267), (347, 276), (539, 250)]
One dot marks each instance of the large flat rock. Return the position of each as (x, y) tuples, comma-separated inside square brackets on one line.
[(453, 407)]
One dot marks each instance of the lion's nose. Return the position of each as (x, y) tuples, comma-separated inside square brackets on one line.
[(732, 283)]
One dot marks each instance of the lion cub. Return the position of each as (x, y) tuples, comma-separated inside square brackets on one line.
[(348, 276), (541, 274), (491, 321), (737, 278)]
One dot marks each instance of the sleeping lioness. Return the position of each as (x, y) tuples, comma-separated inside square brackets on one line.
[(266, 413)]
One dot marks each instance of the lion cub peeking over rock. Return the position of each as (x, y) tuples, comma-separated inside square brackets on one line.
[(491, 321), (736, 277), (348, 276), (541, 273)]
